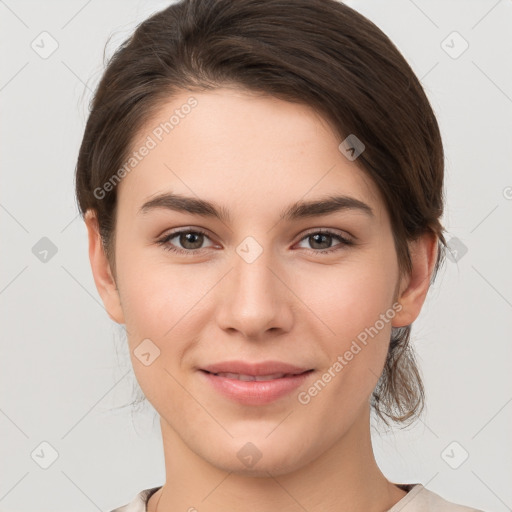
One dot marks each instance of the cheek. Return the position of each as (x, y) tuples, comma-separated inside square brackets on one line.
[(170, 303), (352, 296), (155, 296), (347, 297), (158, 305), (358, 310), (163, 303)]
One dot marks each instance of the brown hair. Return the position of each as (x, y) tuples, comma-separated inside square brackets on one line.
[(320, 53)]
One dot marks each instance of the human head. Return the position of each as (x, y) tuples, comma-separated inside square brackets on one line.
[(319, 53)]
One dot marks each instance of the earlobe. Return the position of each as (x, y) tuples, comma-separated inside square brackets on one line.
[(415, 286), (100, 266)]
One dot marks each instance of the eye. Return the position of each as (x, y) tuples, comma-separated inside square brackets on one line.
[(191, 241), (322, 240)]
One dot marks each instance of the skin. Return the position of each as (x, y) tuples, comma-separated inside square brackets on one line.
[(254, 155)]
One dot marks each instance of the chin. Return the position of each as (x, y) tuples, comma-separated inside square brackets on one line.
[(259, 458)]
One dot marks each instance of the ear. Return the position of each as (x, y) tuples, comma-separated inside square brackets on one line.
[(105, 282), (414, 287)]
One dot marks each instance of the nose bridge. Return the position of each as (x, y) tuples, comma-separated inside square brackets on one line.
[(254, 299), (254, 282), (252, 272)]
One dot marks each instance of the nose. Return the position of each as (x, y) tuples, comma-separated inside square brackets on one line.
[(254, 299)]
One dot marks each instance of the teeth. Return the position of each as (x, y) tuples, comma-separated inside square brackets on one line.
[(251, 377)]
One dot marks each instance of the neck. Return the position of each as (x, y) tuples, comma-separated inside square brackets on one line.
[(344, 477)]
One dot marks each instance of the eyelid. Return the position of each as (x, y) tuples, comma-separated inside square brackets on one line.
[(345, 240), (329, 231), (164, 241)]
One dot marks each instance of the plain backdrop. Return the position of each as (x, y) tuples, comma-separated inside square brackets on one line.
[(64, 370)]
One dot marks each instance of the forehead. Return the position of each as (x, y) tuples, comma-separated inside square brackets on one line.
[(238, 147)]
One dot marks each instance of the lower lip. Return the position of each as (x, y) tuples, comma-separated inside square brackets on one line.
[(255, 392)]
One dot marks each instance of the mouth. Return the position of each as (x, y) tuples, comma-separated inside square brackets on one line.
[(249, 390), (258, 378), (247, 369)]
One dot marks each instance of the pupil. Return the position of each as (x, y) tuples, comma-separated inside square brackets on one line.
[(316, 237), (188, 238)]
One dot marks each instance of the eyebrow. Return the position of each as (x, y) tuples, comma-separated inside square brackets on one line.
[(298, 210)]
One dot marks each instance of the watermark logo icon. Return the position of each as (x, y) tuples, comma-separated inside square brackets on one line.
[(454, 45), (146, 352), (249, 249), (456, 249), (44, 45), (454, 455), (44, 455), (44, 250), (249, 454), (352, 147)]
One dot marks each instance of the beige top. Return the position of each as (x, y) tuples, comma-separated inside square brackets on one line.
[(417, 499)]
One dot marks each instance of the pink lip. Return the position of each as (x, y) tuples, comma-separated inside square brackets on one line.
[(246, 368), (255, 392)]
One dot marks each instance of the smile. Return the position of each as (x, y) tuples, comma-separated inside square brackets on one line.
[(254, 390)]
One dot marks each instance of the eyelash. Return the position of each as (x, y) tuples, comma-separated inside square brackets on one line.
[(165, 241)]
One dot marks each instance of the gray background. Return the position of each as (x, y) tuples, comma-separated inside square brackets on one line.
[(64, 366)]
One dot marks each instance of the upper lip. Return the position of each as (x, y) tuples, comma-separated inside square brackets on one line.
[(256, 369)]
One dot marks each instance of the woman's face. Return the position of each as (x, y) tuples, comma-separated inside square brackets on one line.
[(258, 285)]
